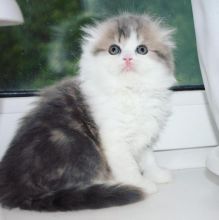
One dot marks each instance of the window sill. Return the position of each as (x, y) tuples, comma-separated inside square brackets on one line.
[(193, 194)]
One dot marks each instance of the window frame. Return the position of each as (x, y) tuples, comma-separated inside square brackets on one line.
[(176, 148), (29, 93)]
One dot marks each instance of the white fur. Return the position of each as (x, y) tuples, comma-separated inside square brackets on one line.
[(129, 108)]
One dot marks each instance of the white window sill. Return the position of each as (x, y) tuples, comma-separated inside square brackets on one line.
[(193, 195)]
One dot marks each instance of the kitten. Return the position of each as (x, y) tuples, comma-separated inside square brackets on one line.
[(87, 143)]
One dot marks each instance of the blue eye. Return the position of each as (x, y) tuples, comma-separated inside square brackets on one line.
[(114, 49), (142, 49)]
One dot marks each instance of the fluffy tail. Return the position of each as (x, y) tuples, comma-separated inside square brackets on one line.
[(93, 197)]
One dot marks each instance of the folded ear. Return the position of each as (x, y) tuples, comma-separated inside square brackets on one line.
[(165, 33), (167, 36), (89, 31)]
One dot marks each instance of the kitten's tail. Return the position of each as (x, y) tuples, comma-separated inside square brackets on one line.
[(93, 197)]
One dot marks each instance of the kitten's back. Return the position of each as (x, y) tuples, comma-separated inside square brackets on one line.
[(55, 158)]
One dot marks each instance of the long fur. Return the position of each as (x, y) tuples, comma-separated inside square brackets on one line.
[(85, 145), (92, 197)]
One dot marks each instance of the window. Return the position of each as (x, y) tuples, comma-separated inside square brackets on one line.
[(47, 47)]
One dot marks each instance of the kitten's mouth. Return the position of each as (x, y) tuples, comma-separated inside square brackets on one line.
[(128, 67)]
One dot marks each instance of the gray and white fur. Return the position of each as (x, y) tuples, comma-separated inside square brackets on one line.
[(87, 143)]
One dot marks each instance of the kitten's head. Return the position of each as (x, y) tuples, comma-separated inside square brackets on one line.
[(129, 48)]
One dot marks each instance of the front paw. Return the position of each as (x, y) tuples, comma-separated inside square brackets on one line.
[(149, 187), (158, 175)]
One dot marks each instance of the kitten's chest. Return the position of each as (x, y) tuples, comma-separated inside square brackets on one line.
[(130, 116), (129, 107), (135, 111)]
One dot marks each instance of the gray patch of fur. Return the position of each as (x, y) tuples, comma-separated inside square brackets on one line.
[(152, 32)]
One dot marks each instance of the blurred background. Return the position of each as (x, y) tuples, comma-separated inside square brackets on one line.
[(47, 47)]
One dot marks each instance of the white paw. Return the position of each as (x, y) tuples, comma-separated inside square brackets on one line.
[(149, 187), (158, 175)]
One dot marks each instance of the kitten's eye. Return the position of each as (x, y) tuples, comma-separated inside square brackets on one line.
[(114, 49), (142, 49)]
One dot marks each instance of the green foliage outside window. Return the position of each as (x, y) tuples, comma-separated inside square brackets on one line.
[(47, 47)]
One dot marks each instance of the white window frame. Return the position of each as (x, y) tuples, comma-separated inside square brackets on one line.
[(184, 143)]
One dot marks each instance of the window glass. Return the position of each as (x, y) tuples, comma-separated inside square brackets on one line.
[(47, 47)]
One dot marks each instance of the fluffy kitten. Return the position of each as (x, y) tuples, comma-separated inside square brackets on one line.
[(87, 143)]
